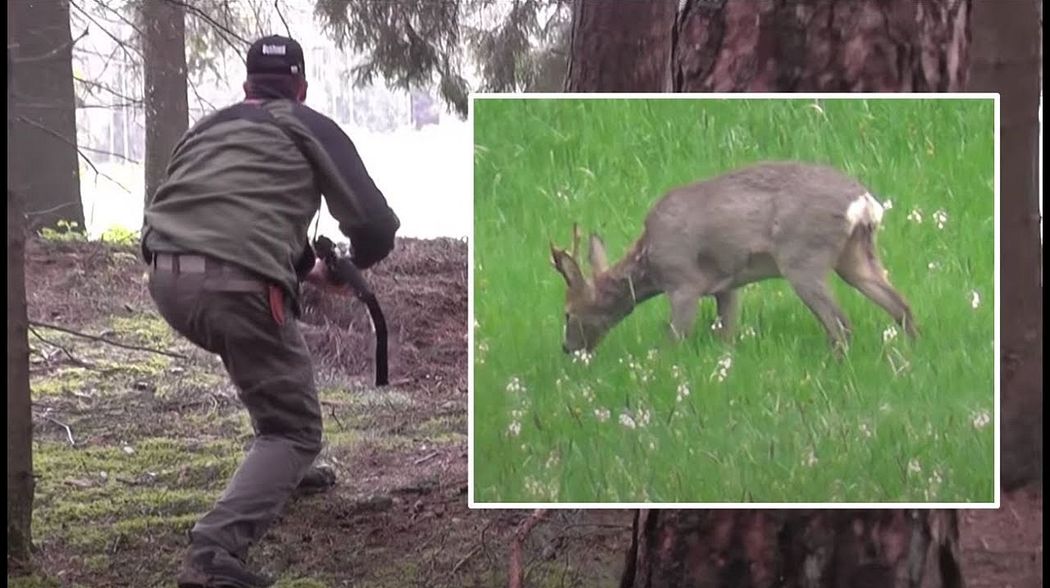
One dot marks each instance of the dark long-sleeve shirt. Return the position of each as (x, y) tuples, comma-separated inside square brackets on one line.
[(242, 189)]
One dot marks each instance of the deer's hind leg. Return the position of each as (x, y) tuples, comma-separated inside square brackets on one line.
[(859, 266), (807, 273)]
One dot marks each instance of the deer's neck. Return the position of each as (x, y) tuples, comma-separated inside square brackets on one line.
[(627, 283)]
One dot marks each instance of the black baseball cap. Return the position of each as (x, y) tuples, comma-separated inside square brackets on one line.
[(276, 55)]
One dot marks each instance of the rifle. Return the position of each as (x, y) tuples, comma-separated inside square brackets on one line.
[(343, 272)]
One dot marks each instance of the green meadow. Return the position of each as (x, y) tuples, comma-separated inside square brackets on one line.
[(772, 417)]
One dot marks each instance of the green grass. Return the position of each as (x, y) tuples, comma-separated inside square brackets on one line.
[(894, 422)]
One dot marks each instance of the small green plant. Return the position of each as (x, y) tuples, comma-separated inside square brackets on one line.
[(64, 231), (118, 235)]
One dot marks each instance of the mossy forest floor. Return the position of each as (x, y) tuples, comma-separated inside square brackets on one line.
[(131, 447)]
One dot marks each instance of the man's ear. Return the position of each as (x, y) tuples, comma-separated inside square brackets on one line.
[(567, 267)]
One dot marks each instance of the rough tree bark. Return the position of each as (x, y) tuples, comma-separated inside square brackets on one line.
[(19, 407), (795, 548), (620, 46), (45, 110), (164, 92), (1007, 58), (769, 46)]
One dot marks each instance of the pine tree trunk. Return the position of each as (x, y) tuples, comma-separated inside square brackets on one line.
[(620, 46), (19, 406), (763, 45), (1007, 58), (165, 101), (794, 549), (770, 46), (45, 114)]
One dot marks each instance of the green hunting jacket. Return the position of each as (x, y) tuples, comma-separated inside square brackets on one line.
[(242, 186)]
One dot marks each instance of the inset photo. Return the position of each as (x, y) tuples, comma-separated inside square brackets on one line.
[(746, 299)]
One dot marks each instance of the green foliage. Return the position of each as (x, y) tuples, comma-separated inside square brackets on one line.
[(516, 46), (772, 418), (64, 231), (118, 235)]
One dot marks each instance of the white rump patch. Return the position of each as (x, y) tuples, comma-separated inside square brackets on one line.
[(865, 210)]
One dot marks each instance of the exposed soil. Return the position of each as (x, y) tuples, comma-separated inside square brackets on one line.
[(132, 446)]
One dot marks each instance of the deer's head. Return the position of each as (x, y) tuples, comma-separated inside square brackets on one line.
[(587, 315)]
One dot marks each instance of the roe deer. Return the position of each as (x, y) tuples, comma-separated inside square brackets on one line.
[(773, 219)]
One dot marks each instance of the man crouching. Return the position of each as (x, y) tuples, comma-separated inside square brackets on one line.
[(226, 237)]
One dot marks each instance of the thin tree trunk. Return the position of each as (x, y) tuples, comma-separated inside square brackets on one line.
[(1007, 50), (164, 92), (794, 549), (45, 109), (19, 406), (620, 46)]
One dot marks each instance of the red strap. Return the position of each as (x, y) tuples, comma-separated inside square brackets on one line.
[(277, 304)]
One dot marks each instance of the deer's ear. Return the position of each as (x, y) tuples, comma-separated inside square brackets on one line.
[(599, 261), (567, 267)]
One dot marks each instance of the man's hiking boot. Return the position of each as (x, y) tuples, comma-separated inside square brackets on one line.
[(218, 570), (317, 479)]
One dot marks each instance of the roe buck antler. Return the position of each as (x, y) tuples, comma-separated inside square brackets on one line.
[(776, 219)]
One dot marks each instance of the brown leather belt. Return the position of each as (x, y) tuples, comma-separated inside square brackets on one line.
[(226, 276)]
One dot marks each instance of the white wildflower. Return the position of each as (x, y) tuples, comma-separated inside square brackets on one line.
[(682, 393), (582, 356), (810, 460), (975, 299), (940, 217), (889, 334), (915, 216), (980, 419), (602, 414), (514, 385), (722, 368), (627, 421)]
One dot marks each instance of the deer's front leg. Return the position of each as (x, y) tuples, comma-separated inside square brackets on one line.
[(728, 311), (684, 303)]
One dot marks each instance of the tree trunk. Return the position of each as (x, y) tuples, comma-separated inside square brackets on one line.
[(794, 549), (19, 406), (620, 46), (45, 110), (1007, 58), (164, 89), (770, 46)]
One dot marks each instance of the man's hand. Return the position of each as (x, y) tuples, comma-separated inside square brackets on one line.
[(371, 244)]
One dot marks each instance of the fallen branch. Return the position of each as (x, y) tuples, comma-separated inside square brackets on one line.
[(67, 352), (517, 575), (69, 431), (108, 341), (466, 557), (426, 458)]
